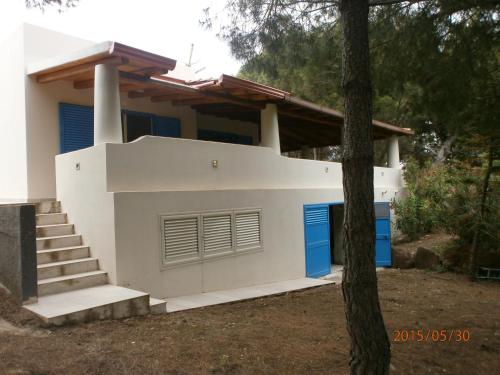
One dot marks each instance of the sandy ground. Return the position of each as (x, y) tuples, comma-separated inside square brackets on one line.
[(298, 333)]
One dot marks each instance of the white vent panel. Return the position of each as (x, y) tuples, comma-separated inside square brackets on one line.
[(217, 233), (248, 229), (180, 238)]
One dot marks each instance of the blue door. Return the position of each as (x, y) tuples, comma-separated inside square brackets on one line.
[(317, 236), (76, 125), (383, 235)]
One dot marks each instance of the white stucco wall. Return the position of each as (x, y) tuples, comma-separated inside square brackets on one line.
[(13, 160), (138, 244), (42, 118), (156, 176), (180, 164), (42, 109), (83, 196)]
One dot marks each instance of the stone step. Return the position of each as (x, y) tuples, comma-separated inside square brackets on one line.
[(54, 230), (96, 303), (58, 242), (67, 283), (62, 254), (48, 207), (67, 267), (157, 306), (49, 219)]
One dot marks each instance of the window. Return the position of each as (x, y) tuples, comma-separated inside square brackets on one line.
[(76, 127), (216, 136), (198, 236), (137, 124)]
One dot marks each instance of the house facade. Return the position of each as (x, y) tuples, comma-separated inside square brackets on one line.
[(176, 186)]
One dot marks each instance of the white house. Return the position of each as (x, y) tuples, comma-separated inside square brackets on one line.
[(169, 186)]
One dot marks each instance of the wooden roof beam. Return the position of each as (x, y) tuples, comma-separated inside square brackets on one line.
[(150, 71), (85, 84), (147, 93), (131, 78), (223, 110), (174, 97), (68, 73), (308, 118), (197, 101), (89, 83)]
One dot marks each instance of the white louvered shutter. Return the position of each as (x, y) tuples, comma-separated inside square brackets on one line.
[(217, 233), (248, 229), (180, 238)]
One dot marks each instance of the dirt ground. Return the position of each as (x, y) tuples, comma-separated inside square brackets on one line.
[(435, 241), (298, 333)]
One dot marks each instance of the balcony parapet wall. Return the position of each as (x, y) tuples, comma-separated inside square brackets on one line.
[(171, 164)]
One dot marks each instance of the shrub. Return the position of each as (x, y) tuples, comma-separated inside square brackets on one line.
[(423, 209), (447, 197)]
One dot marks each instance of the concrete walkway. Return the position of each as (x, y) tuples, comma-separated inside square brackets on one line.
[(231, 295), (335, 275)]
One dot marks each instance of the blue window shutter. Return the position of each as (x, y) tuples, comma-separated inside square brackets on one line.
[(76, 124), (383, 235), (166, 126)]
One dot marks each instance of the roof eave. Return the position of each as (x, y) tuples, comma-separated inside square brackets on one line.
[(95, 54)]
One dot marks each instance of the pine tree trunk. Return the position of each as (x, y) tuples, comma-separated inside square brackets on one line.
[(473, 267), (370, 347)]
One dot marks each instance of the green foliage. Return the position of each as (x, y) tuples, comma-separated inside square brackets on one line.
[(448, 197), (424, 208), (462, 218), (435, 63)]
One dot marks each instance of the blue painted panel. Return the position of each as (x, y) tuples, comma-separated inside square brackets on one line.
[(76, 127), (383, 236), (166, 126), (317, 237), (216, 136)]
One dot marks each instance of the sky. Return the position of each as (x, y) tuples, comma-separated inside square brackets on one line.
[(165, 27)]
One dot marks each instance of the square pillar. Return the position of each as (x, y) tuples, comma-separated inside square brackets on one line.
[(107, 109)]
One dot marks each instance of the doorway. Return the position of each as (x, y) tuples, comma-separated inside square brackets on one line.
[(323, 229), (138, 124), (135, 125), (336, 212)]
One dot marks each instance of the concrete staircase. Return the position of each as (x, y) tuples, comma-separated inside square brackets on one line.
[(71, 286)]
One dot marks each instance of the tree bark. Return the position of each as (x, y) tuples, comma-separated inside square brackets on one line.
[(370, 347), (482, 207), (445, 150)]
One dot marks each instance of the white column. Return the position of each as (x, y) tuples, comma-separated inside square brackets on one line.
[(107, 112), (269, 128), (393, 152)]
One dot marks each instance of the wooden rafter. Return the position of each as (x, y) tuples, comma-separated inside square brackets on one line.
[(307, 118), (148, 93), (174, 96), (199, 100), (69, 73)]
